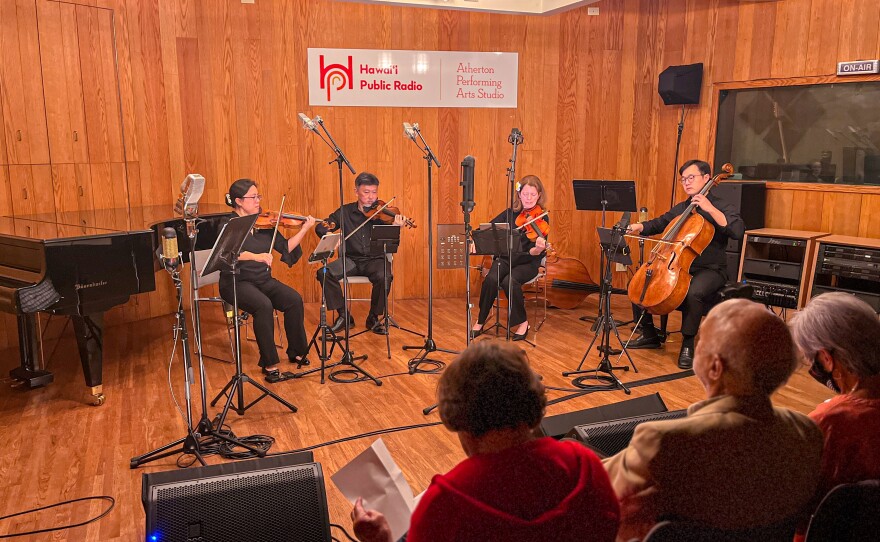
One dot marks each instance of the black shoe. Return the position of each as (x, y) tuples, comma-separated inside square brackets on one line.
[(374, 325), (686, 357), (340, 323), (645, 342), (522, 337), (476, 333), (300, 361)]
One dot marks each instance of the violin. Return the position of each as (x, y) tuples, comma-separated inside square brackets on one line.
[(268, 219), (660, 285), (386, 214), (532, 222)]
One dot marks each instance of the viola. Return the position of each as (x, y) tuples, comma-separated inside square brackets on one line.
[(386, 214), (533, 224), (660, 285), (268, 219)]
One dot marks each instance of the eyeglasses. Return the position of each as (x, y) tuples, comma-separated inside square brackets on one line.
[(256, 197), (689, 178)]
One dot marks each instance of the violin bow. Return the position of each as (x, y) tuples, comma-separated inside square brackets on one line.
[(379, 210), (277, 223)]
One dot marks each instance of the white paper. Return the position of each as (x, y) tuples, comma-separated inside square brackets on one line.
[(374, 476)]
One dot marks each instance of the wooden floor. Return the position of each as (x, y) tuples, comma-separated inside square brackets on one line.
[(58, 447)]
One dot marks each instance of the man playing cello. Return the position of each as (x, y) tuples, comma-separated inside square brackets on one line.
[(709, 269)]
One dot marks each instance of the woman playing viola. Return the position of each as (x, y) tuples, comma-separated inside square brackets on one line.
[(258, 292), (525, 264)]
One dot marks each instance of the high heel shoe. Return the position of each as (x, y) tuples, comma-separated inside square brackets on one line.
[(476, 333), (522, 337)]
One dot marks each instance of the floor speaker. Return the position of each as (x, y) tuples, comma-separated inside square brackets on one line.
[(609, 438), (681, 85), (558, 426), (273, 499)]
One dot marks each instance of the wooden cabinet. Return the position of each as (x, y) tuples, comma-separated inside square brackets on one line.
[(31, 189), (26, 140)]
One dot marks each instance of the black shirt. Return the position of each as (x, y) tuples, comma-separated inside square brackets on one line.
[(713, 257), (257, 243), (525, 244), (358, 245)]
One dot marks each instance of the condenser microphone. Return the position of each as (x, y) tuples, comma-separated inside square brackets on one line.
[(643, 214), (170, 252), (307, 123), (408, 131), (191, 190), (515, 137), (467, 184)]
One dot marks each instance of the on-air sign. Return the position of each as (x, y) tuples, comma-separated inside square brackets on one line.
[(858, 67), (381, 78)]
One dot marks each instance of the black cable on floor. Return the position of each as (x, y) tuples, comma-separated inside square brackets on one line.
[(355, 437), (341, 528), (107, 498)]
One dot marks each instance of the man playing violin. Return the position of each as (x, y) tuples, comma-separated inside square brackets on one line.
[(259, 294), (361, 261), (525, 264), (709, 269)]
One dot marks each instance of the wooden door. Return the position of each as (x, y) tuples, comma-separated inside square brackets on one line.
[(32, 192), (21, 87)]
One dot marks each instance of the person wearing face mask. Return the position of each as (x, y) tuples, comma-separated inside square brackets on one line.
[(361, 261), (837, 334), (259, 294), (525, 264)]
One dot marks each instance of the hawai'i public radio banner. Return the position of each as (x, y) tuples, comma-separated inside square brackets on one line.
[(380, 78)]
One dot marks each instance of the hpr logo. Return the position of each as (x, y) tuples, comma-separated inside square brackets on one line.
[(336, 76)]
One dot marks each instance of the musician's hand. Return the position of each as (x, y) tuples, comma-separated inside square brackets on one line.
[(309, 223), (541, 243), (399, 220), (703, 203), (638, 227), (264, 257), (473, 248), (369, 525)]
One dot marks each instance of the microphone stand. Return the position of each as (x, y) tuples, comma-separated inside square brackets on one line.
[(429, 346), (348, 357), (515, 139)]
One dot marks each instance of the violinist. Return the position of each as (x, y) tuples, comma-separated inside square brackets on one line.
[(360, 259), (709, 269), (258, 292), (525, 264)]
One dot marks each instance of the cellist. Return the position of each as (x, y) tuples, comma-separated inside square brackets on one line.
[(709, 269)]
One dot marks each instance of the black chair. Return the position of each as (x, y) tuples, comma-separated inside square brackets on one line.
[(733, 290), (849, 512), (686, 531)]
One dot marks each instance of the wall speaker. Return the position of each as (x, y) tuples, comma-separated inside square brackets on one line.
[(558, 426), (608, 438), (272, 499), (681, 85)]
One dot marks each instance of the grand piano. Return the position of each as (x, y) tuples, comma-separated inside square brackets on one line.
[(81, 264)]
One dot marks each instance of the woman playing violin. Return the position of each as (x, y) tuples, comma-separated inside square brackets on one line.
[(525, 264), (361, 261), (258, 292), (709, 270)]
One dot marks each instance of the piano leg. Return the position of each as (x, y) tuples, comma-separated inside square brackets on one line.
[(90, 339), (32, 372)]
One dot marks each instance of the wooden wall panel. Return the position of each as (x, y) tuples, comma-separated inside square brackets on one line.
[(214, 87)]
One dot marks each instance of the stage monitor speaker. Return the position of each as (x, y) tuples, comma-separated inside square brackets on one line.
[(681, 85), (273, 499), (558, 426), (608, 438)]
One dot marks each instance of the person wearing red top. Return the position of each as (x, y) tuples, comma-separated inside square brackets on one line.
[(837, 334), (513, 486)]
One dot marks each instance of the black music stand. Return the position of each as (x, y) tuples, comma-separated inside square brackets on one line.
[(385, 240), (615, 250), (604, 195), (492, 240), (224, 257)]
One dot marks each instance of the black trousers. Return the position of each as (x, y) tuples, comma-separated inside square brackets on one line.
[(498, 272), (259, 300), (705, 283), (372, 268)]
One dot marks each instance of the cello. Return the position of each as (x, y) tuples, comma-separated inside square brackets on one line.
[(660, 285)]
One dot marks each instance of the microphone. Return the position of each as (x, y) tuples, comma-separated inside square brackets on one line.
[(467, 184), (408, 131), (191, 190), (623, 224), (308, 123), (318, 120), (643, 214), (169, 249), (515, 137)]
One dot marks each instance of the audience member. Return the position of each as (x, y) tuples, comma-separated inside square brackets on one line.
[(512, 486), (735, 461), (837, 333)]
